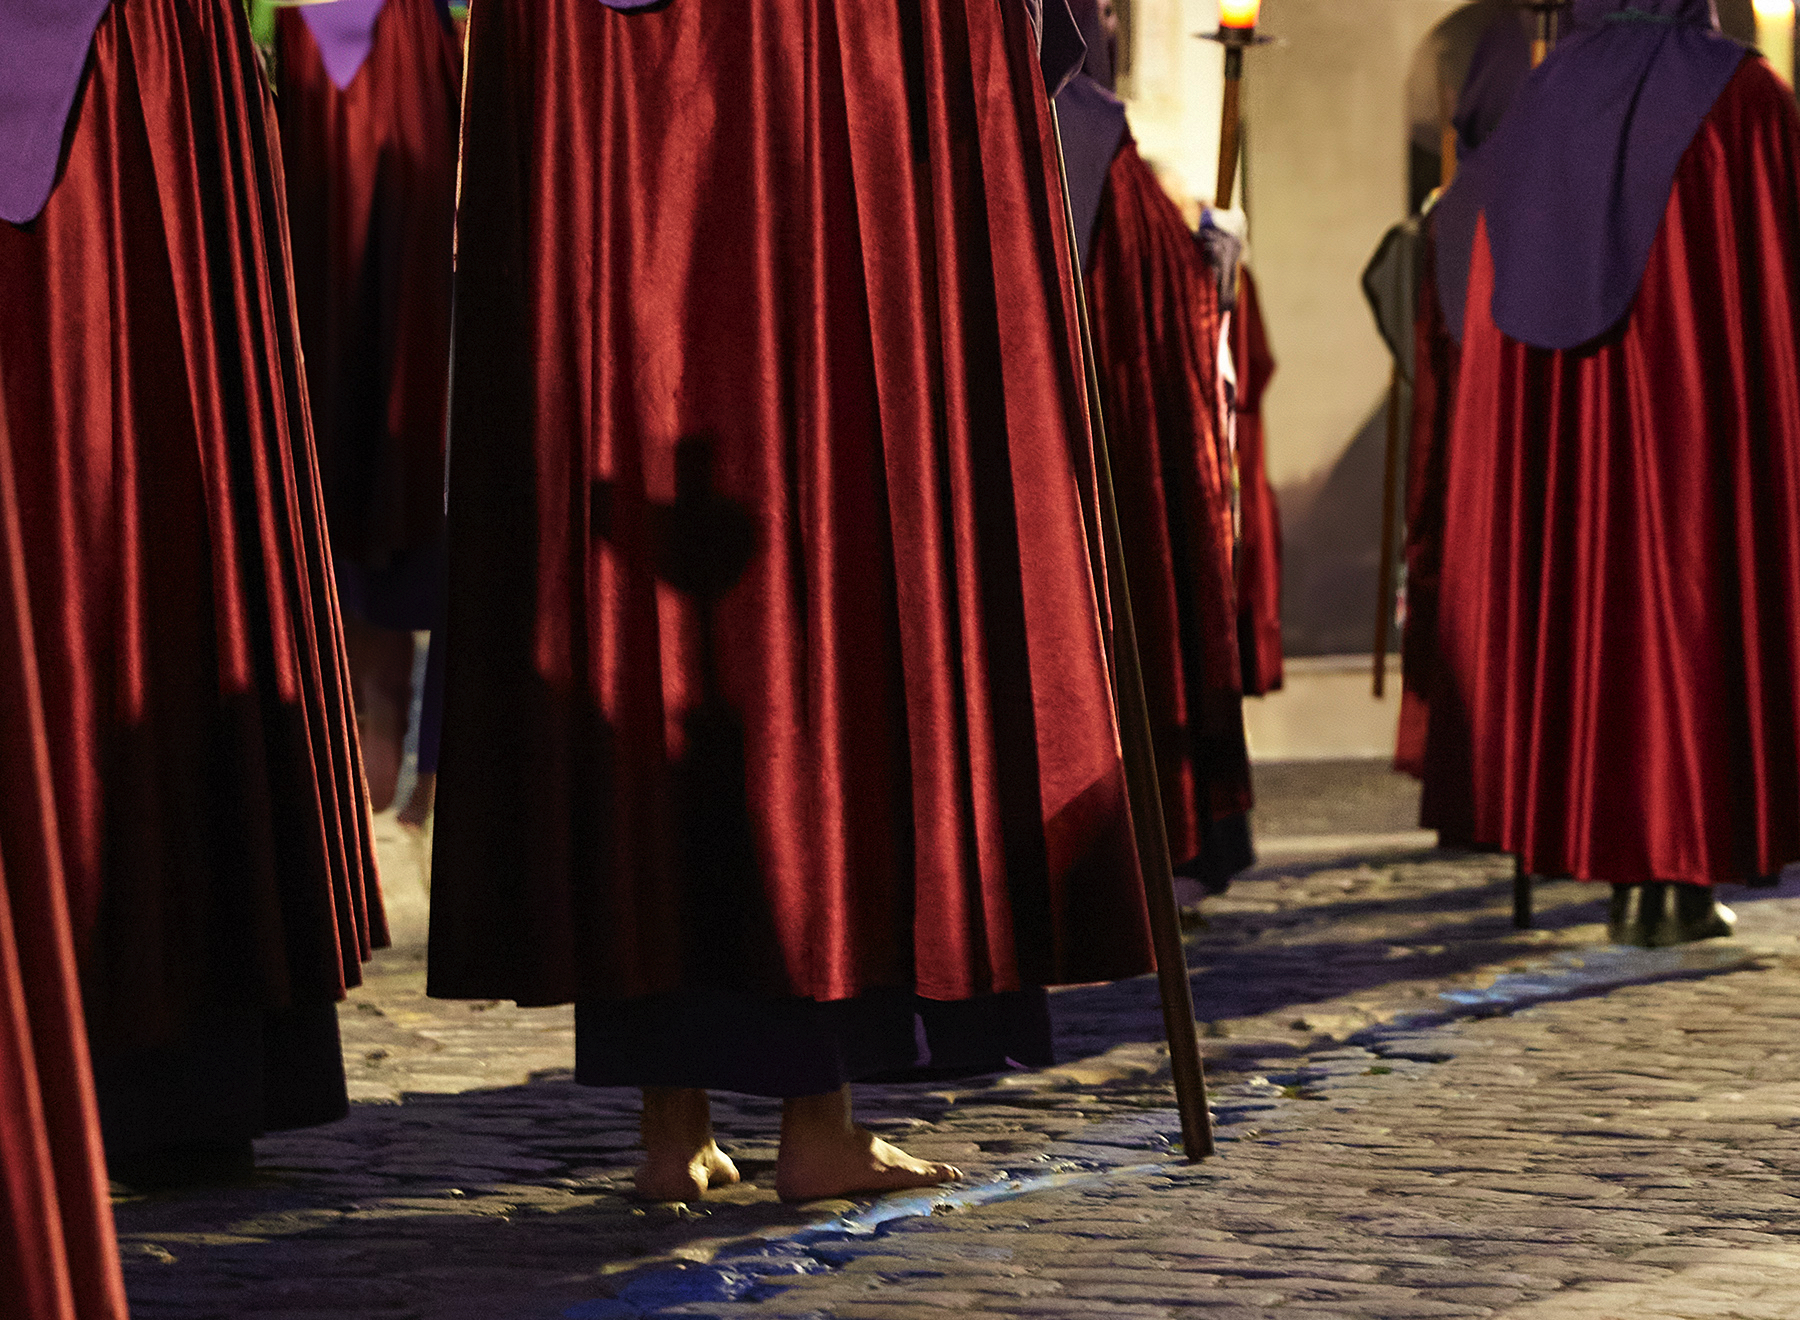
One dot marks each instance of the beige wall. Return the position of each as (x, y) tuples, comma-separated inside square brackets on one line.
[(1327, 178)]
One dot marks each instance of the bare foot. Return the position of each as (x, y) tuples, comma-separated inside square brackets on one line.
[(859, 1162), (681, 1159), (824, 1154), (671, 1178)]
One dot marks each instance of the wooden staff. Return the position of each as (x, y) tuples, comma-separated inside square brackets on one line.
[(1142, 785), (1230, 134), (1522, 895), (1549, 19), (1384, 590)]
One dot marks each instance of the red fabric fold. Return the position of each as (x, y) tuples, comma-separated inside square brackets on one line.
[(1156, 331), (214, 828), (58, 1260), (774, 654), (1619, 616), (1259, 544), (371, 196)]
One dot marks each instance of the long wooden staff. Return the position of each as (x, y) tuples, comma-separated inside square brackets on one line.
[(1384, 591), (1549, 15), (1141, 782)]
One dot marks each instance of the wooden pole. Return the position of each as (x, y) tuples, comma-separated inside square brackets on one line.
[(1547, 24), (1384, 590), (1141, 781), (1229, 136)]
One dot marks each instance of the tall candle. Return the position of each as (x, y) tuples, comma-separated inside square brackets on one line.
[(1775, 35)]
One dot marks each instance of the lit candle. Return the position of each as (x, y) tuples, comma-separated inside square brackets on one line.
[(1242, 13), (1775, 35)]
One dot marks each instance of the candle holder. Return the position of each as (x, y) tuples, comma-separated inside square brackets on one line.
[(1237, 37)]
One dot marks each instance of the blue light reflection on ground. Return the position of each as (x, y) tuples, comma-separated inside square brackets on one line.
[(1581, 972), (757, 1271)]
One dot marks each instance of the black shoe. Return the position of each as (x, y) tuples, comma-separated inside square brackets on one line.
[(193, 1164), (1654, 915)]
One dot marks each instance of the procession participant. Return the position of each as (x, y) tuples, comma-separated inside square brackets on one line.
[(778, 724), (213, 824), (58, 1258), (1617, 622), (1157, 337), (1498, 65), (368, 111)]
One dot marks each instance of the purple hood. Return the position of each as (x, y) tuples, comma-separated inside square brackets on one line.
[(1575, 179)]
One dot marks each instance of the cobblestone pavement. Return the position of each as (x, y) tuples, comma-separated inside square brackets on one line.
[(1421, 1113)]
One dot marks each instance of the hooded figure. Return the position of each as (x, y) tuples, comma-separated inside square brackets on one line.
[(1617, 688), (1402, 285), (778, 724), (208, 795), (368, 110), (1157, 327)]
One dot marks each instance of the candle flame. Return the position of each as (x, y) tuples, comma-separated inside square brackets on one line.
[(1773, 8), (1242, 13)]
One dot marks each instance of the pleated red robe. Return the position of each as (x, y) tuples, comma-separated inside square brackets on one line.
[(1619, 610), (1157, 329), (371, 193), (58, 1260), (775, 659), (214, 831), (1259, 546)]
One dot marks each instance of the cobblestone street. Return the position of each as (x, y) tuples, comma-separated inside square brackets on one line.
[(1420, 1113)]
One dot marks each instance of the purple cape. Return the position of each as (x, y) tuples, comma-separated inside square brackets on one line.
[(345, 31), (1098, 62), (43, 49), (1575, 180), (1091, 122), (1501, 62)]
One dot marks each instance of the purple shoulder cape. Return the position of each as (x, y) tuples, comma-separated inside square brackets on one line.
[(1501, 62), (1097, 61), (43, 50), (1091, 122), (345, 32), (1575, 180)]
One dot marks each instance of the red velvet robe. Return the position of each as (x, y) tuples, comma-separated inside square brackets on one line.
[(371, 195), (1619, 612), (775, 660), (58, 1260), (213, 826), (1156, 330), (1259, 545)]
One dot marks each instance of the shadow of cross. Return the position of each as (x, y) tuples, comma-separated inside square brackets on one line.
[(701, 544)]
